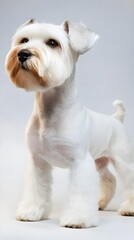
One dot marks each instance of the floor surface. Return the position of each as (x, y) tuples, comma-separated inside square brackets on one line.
[(111, 227)]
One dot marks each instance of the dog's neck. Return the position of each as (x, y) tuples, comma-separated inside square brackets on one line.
[(53, 104)]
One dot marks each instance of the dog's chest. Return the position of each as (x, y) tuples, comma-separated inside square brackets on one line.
[(57, 149)]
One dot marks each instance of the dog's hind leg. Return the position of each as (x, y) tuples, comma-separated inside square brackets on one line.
[(124, 164), (107, 183)]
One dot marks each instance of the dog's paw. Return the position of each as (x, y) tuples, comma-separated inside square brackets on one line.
[(76, 220), (102, 203), (127, 208), (31, 213)]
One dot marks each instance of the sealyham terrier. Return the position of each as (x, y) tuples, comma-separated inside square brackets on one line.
[(63, 133)]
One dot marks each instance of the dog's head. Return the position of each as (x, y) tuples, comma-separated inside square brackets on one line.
[(44, 55)]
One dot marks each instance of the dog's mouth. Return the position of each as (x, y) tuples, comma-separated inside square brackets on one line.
[(24, 66), (25, 69)]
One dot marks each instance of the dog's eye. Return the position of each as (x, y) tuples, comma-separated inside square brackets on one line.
[(52, 43), (24, 40)]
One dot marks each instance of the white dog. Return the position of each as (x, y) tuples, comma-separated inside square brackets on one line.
[(63, 133)]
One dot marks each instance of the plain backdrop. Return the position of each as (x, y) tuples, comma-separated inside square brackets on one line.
[(104, 74)]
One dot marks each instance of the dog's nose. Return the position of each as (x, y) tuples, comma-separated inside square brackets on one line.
[(24, 55)]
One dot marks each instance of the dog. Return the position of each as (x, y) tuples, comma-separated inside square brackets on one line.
[(62, 132)]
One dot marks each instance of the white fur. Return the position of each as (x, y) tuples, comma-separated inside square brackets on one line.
[(63, 133)]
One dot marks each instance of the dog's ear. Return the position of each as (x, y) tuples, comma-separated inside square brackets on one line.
[(81, 38), (30, 21)]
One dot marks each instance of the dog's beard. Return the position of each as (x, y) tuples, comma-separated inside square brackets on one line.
[(30, 75)]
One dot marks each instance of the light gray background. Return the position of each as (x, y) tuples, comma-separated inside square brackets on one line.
[(103, 75)]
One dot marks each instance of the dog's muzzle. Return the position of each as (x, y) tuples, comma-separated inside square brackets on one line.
[(23, 56)]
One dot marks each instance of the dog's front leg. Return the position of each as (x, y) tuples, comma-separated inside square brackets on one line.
[(81, 209), (35, 204)]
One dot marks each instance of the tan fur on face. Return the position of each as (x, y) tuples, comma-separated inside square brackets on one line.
[(28, 79), (14, 68), (34, 68)]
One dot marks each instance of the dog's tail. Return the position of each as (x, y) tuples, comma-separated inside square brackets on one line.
[(120, 110)]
